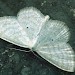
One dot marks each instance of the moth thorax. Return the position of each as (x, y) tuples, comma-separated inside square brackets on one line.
[(32, 43)]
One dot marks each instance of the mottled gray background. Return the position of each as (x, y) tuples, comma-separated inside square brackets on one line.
[(13, 62)]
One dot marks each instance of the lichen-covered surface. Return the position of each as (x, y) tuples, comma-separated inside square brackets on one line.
[(16, 62)]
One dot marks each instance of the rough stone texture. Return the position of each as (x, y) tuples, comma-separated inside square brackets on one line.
[(15, 62)]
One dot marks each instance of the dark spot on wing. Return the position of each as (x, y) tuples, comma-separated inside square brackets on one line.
[(52, 39), (27, 27)]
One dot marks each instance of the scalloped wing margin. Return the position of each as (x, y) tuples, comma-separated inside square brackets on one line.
[(60, 55)]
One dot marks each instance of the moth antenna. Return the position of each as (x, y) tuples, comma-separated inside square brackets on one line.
[(18, 49), (25, 51), (34, 53)]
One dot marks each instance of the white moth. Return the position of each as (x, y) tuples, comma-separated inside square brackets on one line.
[(31, 29)]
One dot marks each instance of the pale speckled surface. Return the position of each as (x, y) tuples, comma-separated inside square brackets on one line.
[(56, 9)]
